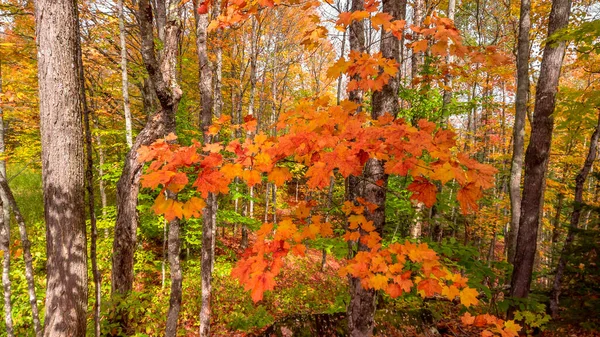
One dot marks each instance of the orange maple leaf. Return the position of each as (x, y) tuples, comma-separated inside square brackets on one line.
[(429, 287), (423, 191)]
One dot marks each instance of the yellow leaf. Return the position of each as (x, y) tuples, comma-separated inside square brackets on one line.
[(468, 297)]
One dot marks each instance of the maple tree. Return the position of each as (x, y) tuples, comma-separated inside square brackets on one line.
[(319, 156)]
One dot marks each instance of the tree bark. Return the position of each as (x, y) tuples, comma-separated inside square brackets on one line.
[(575, 216), (538, 151), (176, 277), (62, 167), (124, 79), (521, 100), (162, 74)]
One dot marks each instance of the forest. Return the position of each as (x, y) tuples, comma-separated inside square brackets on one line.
[(300, 168)]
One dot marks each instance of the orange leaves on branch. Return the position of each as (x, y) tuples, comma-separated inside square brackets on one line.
[(494, 325)]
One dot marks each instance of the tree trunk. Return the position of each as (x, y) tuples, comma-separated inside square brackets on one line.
[(556, 222), (361, 309), (124, 79), (176, 278), (417, 58), (210, 211), (26, 253), (5, 230), (538, 151), (62, 167), (519, 127), (5, 248), (447, 96), (89, 181), (575, 216), (162, 73)]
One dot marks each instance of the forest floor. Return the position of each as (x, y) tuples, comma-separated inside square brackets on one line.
[(308, 301)]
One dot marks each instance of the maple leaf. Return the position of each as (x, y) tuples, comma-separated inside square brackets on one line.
[(285, 230), (450, 292), (303, 210), (311, 231), (338, 68), (265, 229), (368, 226), (419, 46), (263, 283), (359, 15), (345, 18), (423, 191), (378, 282), (429, 287), (175, 211), (162, 204), (351, 236), (511, 329), (381, 19), (468, 297), (279, 175), (231, 171), (153, 179), (467, 197), (326, 229), (319, 175), (404, 281), (440, 48), (299, 250), (467, 319), (252, 177), (213, 147), (193, 208), (394, 290)]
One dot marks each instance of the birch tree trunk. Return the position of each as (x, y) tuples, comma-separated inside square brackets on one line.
[(538, 152), (5, 229), (124, 79), (62, 167)]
